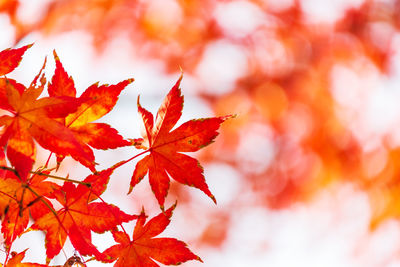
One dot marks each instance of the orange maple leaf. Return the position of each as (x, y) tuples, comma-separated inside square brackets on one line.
[(23, 199), (3, 92), (79, 216), (8, 183), (20, 200), (164, 145), (97, 101), (16, 259), (143, 248), (34, 118)]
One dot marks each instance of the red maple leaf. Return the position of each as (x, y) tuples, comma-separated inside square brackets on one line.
[(33, 118), (10, 59), (97, 101), (164, 145), (24, 199), (79, 216), (143, 249)]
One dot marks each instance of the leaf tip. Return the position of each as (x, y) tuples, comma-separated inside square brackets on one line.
[(227, 117), (130, 189), (178, 83), (92, 168), (180, 68), (142, 211), (29, 45), (213, 199), (199, 259), (56, 58)]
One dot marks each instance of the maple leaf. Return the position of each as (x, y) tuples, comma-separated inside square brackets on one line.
[(25, 199), (164, 145), (34, 118), (3, 92), (79, 216), (144, 248), (16, 259), (10, 59), (8, 183), (97, 101)]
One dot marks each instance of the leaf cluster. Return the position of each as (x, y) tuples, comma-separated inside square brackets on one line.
[(50, 114)]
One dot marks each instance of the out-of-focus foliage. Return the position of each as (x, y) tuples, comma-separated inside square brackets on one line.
[(298, 87)]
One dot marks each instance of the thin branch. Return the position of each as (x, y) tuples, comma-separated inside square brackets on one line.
[(44, 202), (47, 175), (61, 178), (9, 169)]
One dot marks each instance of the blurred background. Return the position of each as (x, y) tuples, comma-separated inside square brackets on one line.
[(307, 174)]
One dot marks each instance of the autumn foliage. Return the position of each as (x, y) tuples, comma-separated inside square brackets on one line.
[(64, 125), (314, 91)]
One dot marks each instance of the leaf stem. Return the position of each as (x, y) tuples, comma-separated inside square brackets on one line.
[(61, 178), (9, 169), (48, 160), (119, 164), (44, 202), (8, 195)]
